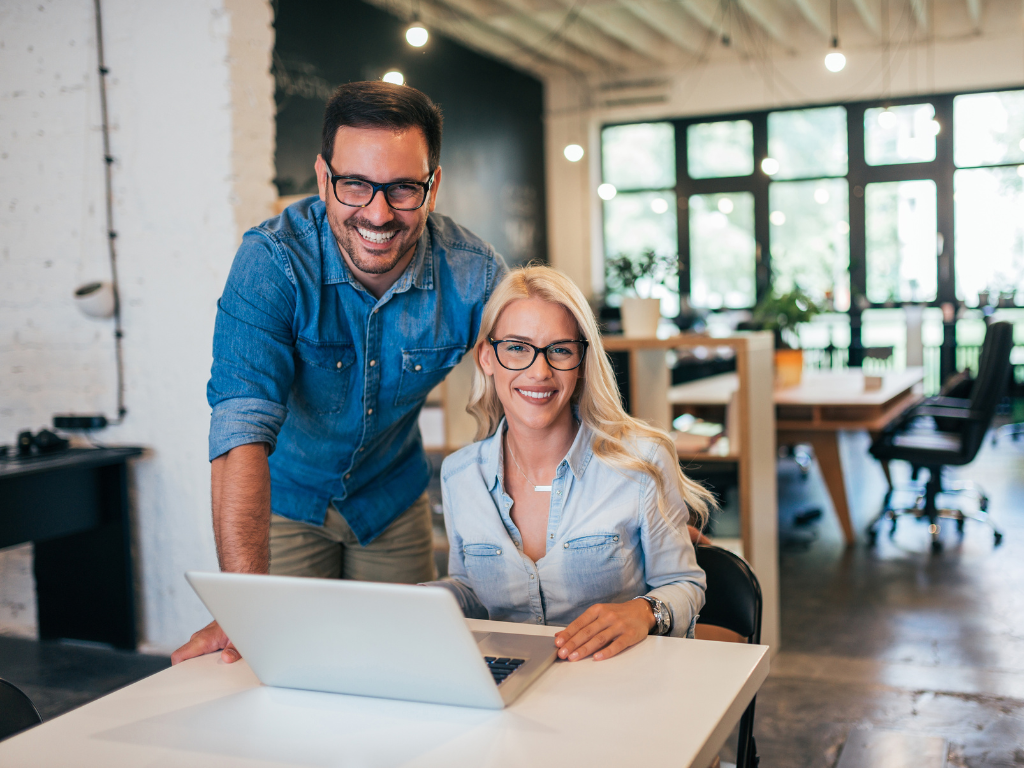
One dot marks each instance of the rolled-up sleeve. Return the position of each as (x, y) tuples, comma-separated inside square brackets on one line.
[(457, 581), (253, 348), (670, 562)]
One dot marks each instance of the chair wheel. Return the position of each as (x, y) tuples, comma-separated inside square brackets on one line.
[(936, 546), (998, 538)]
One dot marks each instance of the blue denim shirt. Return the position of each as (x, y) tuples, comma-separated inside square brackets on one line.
[(308, 361), (606, 540)]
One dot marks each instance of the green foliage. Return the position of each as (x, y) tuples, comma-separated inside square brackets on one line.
[(782, 313), (624, 271)]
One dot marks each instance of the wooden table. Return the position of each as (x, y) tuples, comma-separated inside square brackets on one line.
[(664, 702), (813, 413)]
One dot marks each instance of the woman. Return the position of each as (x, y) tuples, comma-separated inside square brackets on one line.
[(566, 510)]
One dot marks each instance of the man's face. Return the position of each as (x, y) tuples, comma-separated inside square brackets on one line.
[(376, 238)]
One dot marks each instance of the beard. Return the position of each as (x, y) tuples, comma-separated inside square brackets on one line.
[(374, 262)]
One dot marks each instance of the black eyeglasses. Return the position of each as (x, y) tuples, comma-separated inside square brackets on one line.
[(518, 355), (400, 195)]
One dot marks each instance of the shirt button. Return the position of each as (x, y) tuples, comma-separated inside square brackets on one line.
[(369, 410), (362, 448), (418, 368), (348, 475), (498, 552), (338, 365), (540, 620), (373, 363), (551, 536), (532, 577), (558, 493), (565, 546), (615, 538)]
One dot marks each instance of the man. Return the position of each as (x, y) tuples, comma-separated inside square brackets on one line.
[(338, 317)]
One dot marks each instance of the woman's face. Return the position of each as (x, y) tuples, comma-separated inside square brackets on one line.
[(539, 396)]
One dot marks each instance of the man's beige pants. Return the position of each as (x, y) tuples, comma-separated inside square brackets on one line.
[(404, 553)]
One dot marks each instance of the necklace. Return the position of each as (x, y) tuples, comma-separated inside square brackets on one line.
[(538, 488)]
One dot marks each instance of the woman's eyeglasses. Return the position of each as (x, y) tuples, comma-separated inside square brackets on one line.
[(518, 355)]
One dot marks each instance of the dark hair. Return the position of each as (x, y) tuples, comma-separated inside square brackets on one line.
[(374, 104)]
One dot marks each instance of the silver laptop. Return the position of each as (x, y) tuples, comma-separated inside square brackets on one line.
[(392, 641)]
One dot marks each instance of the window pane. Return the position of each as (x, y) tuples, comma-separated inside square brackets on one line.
[(715, 150), (810, 237), (901, 241), (639, 156), (635, 222), (808, 142), (989, 221), (900, 134), (988, 128), (722, 250)]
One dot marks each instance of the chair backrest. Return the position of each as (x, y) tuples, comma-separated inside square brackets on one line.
[(733, 596), (16, 710), (988, 387)]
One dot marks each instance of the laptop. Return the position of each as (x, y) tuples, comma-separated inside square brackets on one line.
[(393, 641)]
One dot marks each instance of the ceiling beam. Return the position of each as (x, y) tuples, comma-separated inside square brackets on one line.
[(868, 16), (813, 17), (630, 30), (709, 13), (768, 17), (920, 14), (544, 34), (673, 22)]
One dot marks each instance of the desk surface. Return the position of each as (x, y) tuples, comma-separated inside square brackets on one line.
[(70, 458), (815, 388), (204, 713)]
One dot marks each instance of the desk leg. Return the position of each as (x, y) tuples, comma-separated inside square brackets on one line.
[(826, 451)]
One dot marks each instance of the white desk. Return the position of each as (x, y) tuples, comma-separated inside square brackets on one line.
[(664, 702)]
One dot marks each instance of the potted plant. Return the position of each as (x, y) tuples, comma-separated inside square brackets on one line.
[(623, 273), (781, 313)]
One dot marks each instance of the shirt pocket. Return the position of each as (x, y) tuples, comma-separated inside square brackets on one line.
[(323, 375), (485, 566), (594, 568), (424, 369)]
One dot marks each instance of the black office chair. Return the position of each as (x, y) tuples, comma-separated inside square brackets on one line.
[(16, 710), (733, 602), (946, 431)]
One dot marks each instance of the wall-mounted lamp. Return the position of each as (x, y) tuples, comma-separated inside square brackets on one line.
[(96, 299), (573, 153)]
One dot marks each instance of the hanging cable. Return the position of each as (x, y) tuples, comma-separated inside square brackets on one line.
[(108, 162)]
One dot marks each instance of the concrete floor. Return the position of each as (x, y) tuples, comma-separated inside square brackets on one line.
[(895, 638)]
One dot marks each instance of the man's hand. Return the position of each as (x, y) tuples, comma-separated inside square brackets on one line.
[(207, 640), (605, 629)]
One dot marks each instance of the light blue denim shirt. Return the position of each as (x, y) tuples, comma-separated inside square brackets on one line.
[(606, 540), (307, 360)]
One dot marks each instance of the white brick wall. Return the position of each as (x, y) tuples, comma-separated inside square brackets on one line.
[(191, 111)]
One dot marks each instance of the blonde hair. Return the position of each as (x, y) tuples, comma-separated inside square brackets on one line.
[(616, 433)]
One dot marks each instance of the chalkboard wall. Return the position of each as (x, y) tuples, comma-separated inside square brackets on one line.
[(493, 147)]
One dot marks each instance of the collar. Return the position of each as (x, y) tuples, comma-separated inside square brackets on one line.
[(577, 458), (419, 273)]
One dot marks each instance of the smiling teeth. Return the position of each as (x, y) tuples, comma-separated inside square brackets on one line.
[(376, 237), (536, 395)]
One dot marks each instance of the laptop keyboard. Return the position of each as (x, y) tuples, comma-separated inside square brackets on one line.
[(502, 666)]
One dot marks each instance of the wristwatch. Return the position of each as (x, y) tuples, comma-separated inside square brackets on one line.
[(662, 615)]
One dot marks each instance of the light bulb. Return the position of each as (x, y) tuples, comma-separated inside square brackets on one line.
[(887, 119), (835, 61), (821, 196), (1020, 171), (607, 191), (659, 205), (1022, 145), (935, 126), (778, 218), (394, 76), (573, 153), (417, 35), (770, 166), (725, 205)]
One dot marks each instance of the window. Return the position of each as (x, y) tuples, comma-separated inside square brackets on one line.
[(722, 250), (810, 240), (639, 156), (720, 150), (901, 241), (808, 143), (903, 134), (988, 128)]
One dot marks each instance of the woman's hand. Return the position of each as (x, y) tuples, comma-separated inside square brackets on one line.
[(209, 639), (605, 629)]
